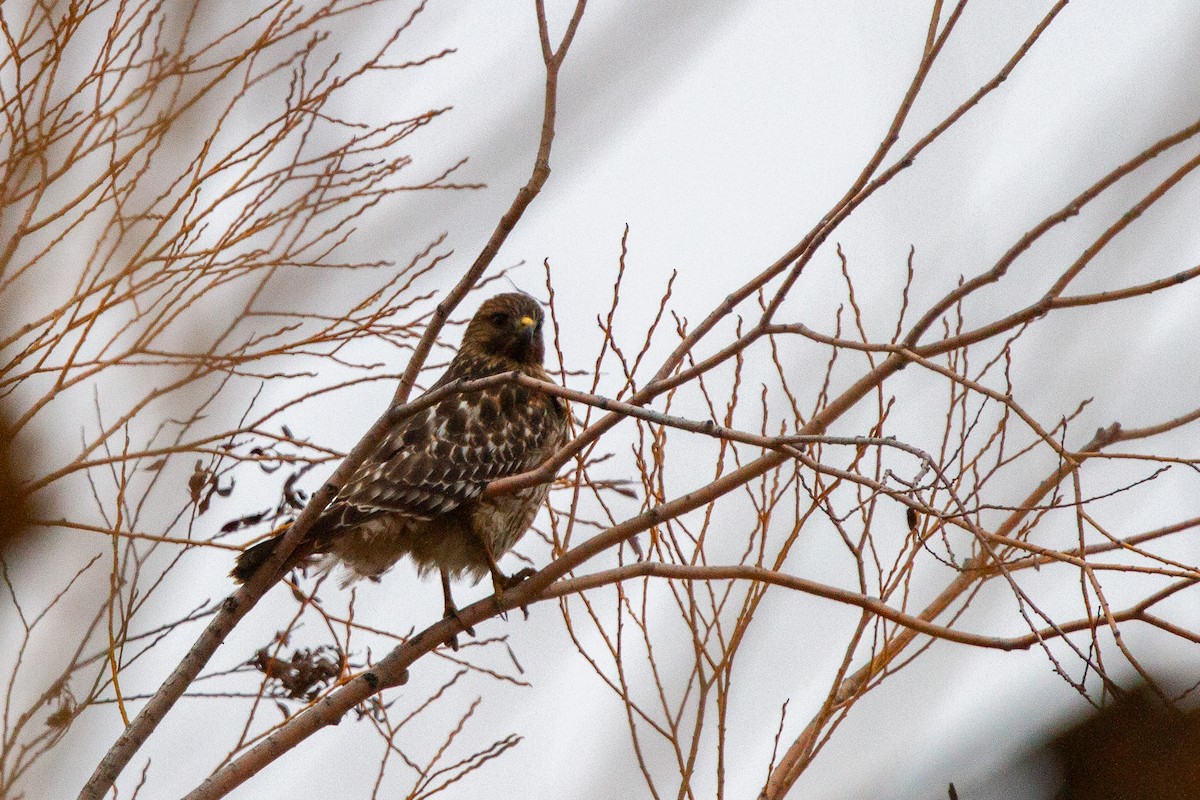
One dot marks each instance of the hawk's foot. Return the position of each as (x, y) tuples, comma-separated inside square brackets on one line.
[(503, 583), (517, 578), (452, 612)]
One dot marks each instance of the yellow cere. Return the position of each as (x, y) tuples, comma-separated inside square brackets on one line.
[(526, 322)]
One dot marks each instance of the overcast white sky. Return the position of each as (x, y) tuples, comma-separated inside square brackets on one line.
[(720, 133)]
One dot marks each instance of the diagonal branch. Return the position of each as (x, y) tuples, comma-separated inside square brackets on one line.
[(240, 602), (525, 196)]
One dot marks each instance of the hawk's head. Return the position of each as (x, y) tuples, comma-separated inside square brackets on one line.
[(509, 326)]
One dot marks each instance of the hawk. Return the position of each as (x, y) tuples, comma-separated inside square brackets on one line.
[(420, 493)]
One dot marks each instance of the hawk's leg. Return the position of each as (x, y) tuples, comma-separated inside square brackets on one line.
[(501, 582), (452, 611)]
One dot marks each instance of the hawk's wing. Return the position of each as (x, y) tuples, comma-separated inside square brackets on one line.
[(435, 460)]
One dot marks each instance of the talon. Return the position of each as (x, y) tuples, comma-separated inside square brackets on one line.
[(519, 577), (451, 610), (452, 613), (502, 583)]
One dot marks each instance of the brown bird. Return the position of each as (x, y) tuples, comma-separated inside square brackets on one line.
[(420, 493)]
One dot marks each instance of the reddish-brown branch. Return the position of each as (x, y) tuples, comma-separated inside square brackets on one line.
[(238, 604), (508, 221), (802, 749)]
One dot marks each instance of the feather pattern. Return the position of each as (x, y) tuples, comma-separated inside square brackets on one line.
[(420, 493)]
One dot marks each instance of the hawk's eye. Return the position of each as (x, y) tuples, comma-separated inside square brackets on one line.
[(499, 319)]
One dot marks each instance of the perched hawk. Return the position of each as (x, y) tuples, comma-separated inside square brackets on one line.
[(419, 493)]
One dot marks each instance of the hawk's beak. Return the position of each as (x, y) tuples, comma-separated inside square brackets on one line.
[(526, 326)]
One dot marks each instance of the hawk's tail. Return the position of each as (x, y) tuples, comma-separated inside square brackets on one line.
[(251, 559)]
